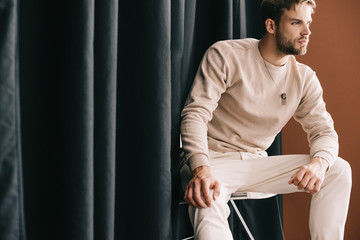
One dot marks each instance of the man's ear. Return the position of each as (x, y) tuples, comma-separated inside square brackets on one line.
[(270, 26)]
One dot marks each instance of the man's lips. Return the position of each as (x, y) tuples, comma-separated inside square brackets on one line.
[(303, 41)]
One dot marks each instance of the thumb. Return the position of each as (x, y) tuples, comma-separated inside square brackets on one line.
[(216, 188)]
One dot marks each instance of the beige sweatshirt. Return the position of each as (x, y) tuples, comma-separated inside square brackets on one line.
[(235, 105)]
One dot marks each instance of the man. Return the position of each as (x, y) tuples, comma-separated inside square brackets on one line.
[(244, 93)]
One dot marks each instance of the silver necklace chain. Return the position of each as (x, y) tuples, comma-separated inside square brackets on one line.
[(283, 94)]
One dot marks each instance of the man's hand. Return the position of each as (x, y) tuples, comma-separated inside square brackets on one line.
[(310, 176), (197, 192)]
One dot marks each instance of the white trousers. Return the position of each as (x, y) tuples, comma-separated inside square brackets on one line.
[(244, 172)]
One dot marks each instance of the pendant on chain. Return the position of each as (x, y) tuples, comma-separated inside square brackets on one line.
[(283, 98)]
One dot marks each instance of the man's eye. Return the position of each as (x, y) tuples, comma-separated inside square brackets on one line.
[(295, 23)]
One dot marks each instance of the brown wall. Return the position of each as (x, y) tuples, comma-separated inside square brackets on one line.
[(334, 53)]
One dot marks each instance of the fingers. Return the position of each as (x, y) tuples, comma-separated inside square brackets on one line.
[(310, 187), (301, 184), (204, 198), (308, 180), (317, 186), (291, 181), (188, 195), (314, 185), (216, 188), (198, 194), (298, 176), (193, 196)]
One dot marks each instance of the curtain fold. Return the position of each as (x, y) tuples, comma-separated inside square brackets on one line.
[(143, 128), (102, 85), (177, 62), (12, 222), (105, 84)]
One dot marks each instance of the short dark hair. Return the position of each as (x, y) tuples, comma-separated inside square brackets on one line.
[(274, 9)]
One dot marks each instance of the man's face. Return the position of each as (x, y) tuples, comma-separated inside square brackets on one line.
[(293, 30)]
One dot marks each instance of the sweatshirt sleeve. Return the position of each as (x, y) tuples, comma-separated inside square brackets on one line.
[(209, 83), (317, 122)]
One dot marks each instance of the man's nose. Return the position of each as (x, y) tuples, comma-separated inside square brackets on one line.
[(306, 30)]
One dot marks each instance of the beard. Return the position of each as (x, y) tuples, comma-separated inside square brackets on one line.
[(286, 46)]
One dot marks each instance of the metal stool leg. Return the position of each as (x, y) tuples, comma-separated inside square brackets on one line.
[(242, 219)]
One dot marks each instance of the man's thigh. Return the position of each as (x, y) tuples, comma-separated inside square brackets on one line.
[(253, 173)]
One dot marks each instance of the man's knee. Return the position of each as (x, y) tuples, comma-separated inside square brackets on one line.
[(343, 171)]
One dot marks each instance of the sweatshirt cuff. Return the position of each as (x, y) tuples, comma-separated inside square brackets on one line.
[(325, 155), (197, 161)]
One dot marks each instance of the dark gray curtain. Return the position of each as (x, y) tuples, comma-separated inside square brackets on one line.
[(11, 195), (90, 95)]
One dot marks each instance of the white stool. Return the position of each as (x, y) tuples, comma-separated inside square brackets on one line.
[(239, 196)]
